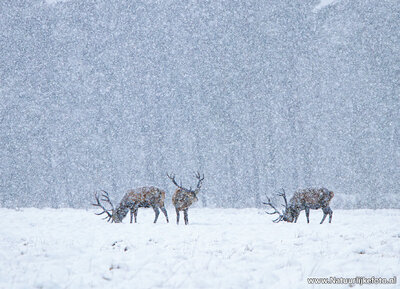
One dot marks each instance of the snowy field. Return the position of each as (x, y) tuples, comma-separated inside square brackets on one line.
[(221, 248)]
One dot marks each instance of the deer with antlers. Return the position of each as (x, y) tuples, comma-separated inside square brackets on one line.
[(144, 197), (305, 199), (183, 198)]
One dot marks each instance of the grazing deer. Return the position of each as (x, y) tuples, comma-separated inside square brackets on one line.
[(306, 199), (184, 198), (144, 197)]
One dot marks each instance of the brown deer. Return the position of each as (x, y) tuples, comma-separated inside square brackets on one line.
[(183, 198), (305, 199), (144, 197)]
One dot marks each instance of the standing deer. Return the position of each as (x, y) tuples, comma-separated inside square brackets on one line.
[(184, 198), (144, 197), (306, 199)]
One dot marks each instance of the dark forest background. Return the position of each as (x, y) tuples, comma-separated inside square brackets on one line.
[(257, 95)]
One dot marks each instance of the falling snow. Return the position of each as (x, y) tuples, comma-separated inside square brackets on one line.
[(257, 95)]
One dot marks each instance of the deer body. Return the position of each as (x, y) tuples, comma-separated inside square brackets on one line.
[(144, 197), (306, 199), (183, 198), (309, 199)]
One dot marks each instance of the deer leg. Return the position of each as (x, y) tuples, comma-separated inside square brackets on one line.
[(133, 208), (157, 212), (177, 216), (308, 215), (135, 214), (165, 213), (330, 215), (295, 218), (131, 214), (326, 211), (186, 217)]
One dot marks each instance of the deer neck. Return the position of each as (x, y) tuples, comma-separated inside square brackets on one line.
[(120, 212)]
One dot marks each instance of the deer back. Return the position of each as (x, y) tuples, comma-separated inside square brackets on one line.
[(144, 197), (312, 198)]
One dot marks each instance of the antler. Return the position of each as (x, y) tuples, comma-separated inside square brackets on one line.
[(172, 178), (284, 197), (275, 211), (106, 198), (200, 178)]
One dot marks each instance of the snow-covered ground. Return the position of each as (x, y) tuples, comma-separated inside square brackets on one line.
[(221, 248), (323, 4)]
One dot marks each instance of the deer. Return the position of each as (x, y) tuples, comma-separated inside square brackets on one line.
[(144, 197), (183, 198), (305, 199)]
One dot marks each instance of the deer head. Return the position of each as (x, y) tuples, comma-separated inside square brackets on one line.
[(286, 215), (189, 192), (113, 215), (198, 186)]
